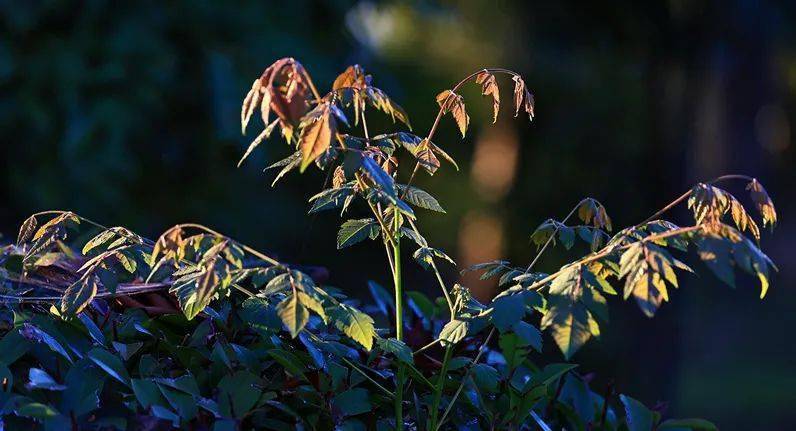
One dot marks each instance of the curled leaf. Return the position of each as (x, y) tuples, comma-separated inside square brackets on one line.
[(489, 87), (451, 102), (763, 202)]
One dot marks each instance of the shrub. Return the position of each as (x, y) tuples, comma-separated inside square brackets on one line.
[(105, 329)]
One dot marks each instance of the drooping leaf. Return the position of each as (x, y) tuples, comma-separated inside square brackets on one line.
[(316, 134), (79, 295), (454, 103), (26, 230), (570, 323), (425, 256), (287, 164), (293, 313), (196, 293), (647, 268), (489, 87), (427, 159), (764, 204), (259, 139), (590, 211)]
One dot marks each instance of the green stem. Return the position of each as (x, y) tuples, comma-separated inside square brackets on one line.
[(440, 386), (399, 320)]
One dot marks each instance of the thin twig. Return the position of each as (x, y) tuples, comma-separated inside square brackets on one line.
[(481, 351)]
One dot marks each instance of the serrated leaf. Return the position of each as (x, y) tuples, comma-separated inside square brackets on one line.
[(397, 348), (354, 323), (354, 231), (453, 332), (26, 230), (570, 323), (260, 138), (419, 198), (330, 199), (293, 313)]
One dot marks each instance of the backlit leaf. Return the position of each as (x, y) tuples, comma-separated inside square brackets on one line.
[(763, 202), (453, 103), (316, 135), (355, 324), (79, 295), (354, 231), (489, 87), (453, 332)]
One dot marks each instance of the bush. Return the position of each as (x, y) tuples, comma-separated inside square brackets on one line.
[(105, 329)]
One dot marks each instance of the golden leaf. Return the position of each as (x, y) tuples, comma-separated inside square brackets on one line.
[(338, 178), (489, 88), (426, 158), (763, 202), (529, 104), (451, 102), (316, 137), (352, 77), (249, 103), (519, 92)]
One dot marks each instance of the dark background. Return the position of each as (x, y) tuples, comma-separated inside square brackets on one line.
[(128, 113)]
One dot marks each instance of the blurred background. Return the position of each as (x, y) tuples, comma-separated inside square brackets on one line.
[(128, 113)]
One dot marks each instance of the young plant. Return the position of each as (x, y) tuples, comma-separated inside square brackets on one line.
[(198, 330)]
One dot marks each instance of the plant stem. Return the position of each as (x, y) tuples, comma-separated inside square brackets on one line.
[(552, 236), (440, 386), (481, 351), (436, 273), (441, 112), (399, 319)]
